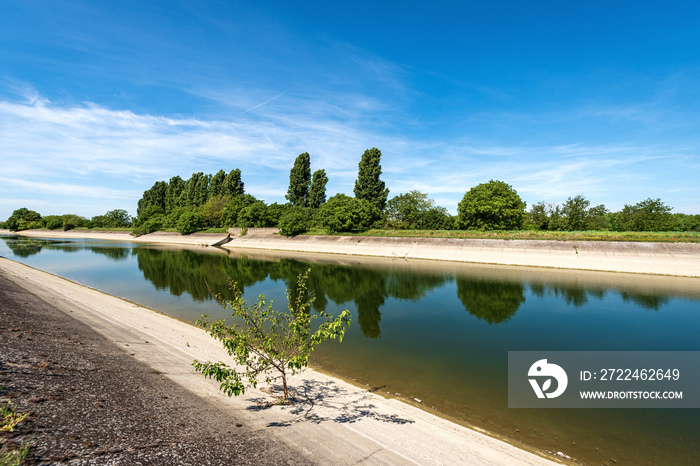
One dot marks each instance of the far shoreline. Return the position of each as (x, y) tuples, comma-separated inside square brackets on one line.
[(671, 259)]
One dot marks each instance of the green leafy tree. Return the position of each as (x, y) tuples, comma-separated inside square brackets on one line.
[(299, 180), (23, 219), (491, 206), (155, 222), (256, 215), (368, 186), (296, 221), (196, 190), (317, 191), (52, 222), (190, 222), (436, 218), (155, 196), (173, 193), (683, 222), (538, 216), (409, 211), (269, 344), (118, 218), (343, 213), (71, 221), (212, 211), (201, 190), (597, 218), (216, 185), (174, 216), (647, 215), (575, 212), (149, 212), (233, 185), (234, 208), (98, 221), (276, 211)]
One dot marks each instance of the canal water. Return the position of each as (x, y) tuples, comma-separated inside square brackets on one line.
[(436, 332)]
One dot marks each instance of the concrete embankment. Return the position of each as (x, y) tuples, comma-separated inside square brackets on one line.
[(197, 239), (332, 422), (681, 259)]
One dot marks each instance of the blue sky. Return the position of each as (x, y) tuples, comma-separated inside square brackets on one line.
[(100, 99)]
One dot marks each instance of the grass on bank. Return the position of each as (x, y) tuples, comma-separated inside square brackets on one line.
[(9, 419), (635, 236)]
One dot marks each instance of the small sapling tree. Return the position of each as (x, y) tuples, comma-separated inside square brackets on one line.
[(269, 344)]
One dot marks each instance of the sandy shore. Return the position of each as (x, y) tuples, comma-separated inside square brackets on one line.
[(335, 423), (675, 259)]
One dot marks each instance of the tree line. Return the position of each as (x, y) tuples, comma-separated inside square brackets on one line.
[(25, 219), (219, 200)]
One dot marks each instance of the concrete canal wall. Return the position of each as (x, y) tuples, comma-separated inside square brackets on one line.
[(680, 259)]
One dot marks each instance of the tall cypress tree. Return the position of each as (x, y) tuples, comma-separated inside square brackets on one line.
[(196, 188), (201, 190), (299, 180), (172, 194), (368, 185), (216, 185), (155, 196), (317, 191), (233, 186)]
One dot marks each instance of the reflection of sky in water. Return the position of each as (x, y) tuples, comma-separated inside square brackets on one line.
[(438, 335), (437, 308)]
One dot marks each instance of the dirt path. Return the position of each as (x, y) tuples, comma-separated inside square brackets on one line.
[(92, 402)]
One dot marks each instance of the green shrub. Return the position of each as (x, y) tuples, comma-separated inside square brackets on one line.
[(23, 219), (295, 222), (190, 222), (343, 213), (154, 223), (491, 206)]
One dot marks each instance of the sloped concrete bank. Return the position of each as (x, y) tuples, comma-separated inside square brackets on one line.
[(676, 259), (333, 422), (196, 239), (681, 259)]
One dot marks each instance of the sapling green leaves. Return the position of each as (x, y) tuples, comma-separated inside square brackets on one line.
[(268, 344)]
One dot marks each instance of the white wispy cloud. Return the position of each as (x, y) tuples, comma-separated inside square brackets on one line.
[(92, 152)]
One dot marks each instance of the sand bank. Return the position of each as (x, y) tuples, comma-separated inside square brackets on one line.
[(335, 423)]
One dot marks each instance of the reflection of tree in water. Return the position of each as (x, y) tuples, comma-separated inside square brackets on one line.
[(413, 286), (189, 272), (25, 247), (365, 287), (578, 296), (494, 302), (369, 288), (574, 295), (114, 253), (646, 301), (22, 247), (185, 271)]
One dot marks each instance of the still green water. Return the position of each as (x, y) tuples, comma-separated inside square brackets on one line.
[(437, 332)]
